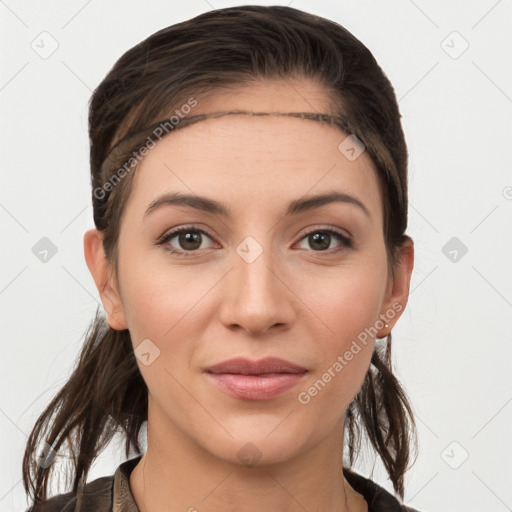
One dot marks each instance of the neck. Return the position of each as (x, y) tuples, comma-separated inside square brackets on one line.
[(176, 474)]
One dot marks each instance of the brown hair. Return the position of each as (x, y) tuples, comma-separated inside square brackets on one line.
[(222, 48)]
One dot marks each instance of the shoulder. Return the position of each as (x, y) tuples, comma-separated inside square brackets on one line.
[(95, 496), (378, 498)]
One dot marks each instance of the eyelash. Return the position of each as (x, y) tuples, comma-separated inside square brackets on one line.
[(345, 241)]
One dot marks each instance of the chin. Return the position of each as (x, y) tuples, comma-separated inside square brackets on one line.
[(260, 447)]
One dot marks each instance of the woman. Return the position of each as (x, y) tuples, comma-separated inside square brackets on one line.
[(249, 186)]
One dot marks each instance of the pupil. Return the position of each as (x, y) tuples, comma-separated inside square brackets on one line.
[(321, 236), (190, 238)]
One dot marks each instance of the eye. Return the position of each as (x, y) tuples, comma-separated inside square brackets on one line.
[(188, 239), (320, 239)]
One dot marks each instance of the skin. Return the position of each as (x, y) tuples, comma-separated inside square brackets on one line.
[(294, 301)]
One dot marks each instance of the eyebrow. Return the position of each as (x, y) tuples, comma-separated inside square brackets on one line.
[(212, 206)]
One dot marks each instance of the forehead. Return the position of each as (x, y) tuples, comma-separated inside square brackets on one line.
[(270, 158)]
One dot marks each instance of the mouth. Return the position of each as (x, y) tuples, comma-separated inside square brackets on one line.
[(255, 380)]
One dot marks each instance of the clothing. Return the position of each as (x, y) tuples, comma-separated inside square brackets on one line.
[(113, 494)]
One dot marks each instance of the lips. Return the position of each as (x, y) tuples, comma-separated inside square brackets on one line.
[(255, 380), (268, 365)]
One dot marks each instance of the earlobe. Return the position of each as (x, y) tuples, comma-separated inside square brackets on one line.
[(398, 293), (100, 270)]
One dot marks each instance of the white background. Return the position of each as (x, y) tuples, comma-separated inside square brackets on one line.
[(452, 346)]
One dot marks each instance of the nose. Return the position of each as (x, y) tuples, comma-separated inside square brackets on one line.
[(258, 296)]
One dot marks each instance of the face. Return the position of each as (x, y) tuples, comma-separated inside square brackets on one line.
[(256, 280)]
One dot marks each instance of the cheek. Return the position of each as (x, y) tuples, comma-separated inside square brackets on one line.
[(344, 353), (159, 299), (165, 306), (348, 303), (346, 300), (170, 306)]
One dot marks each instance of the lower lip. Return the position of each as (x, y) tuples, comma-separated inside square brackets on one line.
[(255, 387)]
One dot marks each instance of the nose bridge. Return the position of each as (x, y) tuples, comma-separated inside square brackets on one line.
[(257, 299)]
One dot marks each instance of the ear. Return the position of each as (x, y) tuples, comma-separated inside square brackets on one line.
[(398, 287), (101, 272)]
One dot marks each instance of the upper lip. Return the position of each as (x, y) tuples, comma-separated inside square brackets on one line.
[(244, 366)]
